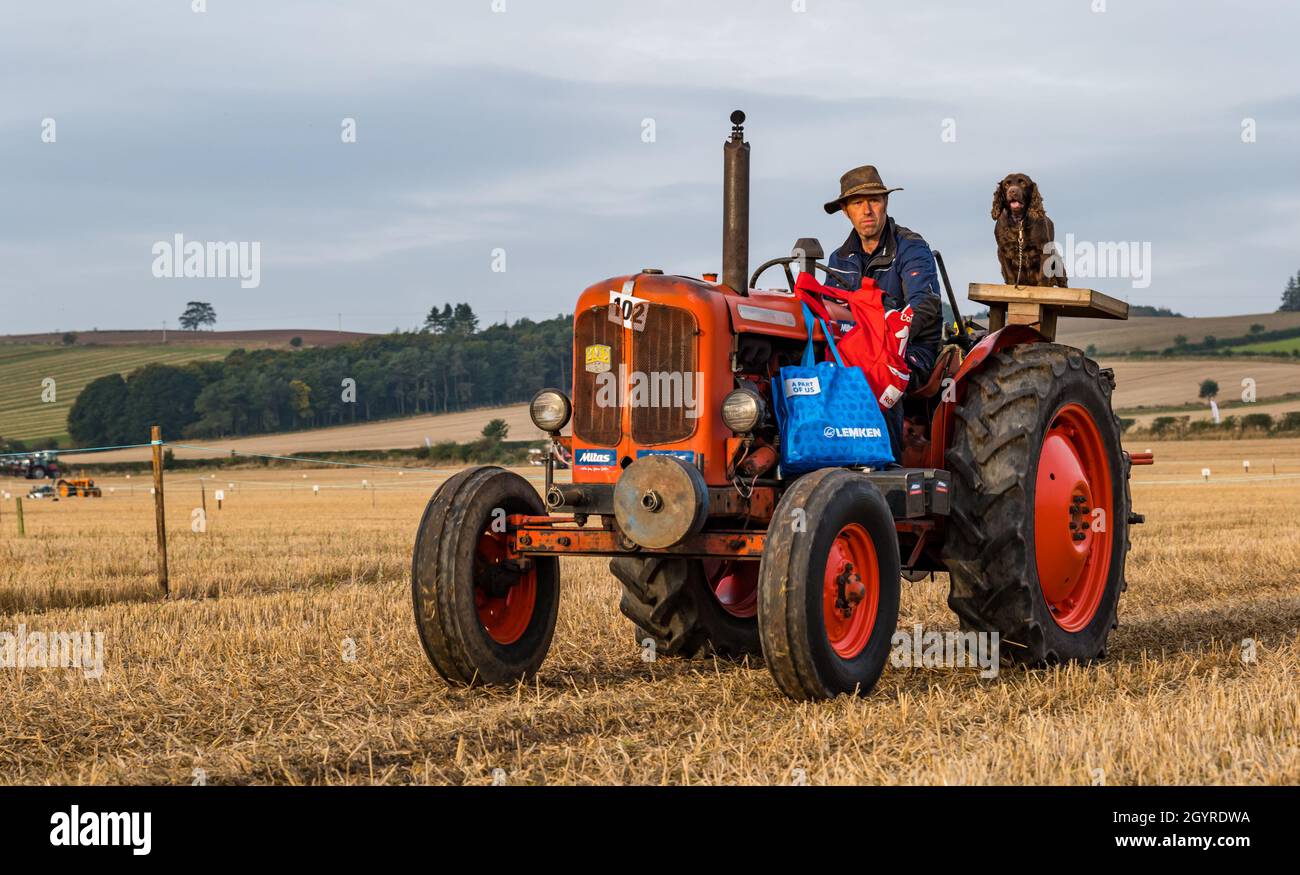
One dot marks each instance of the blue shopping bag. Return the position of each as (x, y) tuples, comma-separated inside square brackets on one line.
[(827, 414)]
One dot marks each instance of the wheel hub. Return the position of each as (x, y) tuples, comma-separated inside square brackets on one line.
[(1073, 556), (850, 591), (506, 591), (1063, 491)]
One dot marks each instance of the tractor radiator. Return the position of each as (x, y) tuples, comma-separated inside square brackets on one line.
[(659, 381), (597, 424), (664, 358)]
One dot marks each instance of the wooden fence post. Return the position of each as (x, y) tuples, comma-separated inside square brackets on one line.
[(160, 518), (22, 532)]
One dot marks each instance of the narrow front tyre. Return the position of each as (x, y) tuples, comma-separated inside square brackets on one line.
[(484, 617), (828, 586)]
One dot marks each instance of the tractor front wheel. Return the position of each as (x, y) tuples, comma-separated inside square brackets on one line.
[(483, 617), (1038, 533), (828, 586)]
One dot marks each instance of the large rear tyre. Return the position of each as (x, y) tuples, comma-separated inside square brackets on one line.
[(482, 617), (690, 607), (1038, 533), (829, 586)]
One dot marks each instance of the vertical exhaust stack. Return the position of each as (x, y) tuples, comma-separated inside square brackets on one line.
[(735, 208)]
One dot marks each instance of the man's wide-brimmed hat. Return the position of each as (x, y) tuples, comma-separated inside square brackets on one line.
[(862, 180)]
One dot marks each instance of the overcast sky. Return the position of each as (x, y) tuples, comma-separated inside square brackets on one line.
[(523, 130)]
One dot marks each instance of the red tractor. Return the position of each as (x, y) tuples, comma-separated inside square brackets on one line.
[(1013, 481), (31, 466)]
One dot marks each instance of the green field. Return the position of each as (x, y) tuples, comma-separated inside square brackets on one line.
[(1273, 347), (23, 368)]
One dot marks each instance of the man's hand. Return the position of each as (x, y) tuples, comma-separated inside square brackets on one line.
[(927, 312)]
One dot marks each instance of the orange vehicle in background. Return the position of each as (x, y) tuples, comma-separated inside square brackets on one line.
[(82, 487)]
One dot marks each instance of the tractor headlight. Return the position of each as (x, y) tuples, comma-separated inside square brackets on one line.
[(550, 410), (742, 410)]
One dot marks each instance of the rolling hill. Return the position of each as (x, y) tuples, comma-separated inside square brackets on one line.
[(1154, 333), (24, 367), (230, 339), (27, 359), (1170, 382)]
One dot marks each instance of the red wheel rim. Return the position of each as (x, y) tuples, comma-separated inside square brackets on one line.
[(1072, 546), (850, 591), (505, 617), (735, 585)]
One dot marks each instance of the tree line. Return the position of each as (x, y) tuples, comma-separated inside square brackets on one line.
[(450, 365)]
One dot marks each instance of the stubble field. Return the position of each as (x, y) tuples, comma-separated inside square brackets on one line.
[(248, 675)]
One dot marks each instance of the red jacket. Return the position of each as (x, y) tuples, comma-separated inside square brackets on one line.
[(877, 342)]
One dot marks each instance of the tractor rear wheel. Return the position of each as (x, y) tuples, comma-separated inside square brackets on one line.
[(1038, 533), (829, 586), (483, 617), (690, 607)]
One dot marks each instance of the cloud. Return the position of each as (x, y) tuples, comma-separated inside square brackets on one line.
[(523, 131)]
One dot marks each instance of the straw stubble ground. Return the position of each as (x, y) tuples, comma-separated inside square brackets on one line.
[(244, 675)]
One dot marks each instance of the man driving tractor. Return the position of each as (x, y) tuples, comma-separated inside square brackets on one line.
[(902, 266)]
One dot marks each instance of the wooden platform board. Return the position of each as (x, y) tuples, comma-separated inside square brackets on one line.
[(1040, 306)]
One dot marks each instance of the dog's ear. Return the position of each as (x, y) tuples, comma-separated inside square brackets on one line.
[(999, 200), (1036, 209)]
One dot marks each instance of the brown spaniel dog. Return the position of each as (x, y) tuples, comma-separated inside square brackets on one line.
[(1025, 235)]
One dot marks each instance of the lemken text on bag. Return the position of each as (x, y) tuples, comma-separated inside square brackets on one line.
[(827, 413)]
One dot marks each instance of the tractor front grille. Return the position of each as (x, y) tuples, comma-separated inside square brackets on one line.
[(597, 424), (664, 356)]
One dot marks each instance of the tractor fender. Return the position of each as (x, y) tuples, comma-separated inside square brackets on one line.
[(1000, 339), (942, 425)]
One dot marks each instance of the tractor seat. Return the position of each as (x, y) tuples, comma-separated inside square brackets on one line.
[(945, 365)]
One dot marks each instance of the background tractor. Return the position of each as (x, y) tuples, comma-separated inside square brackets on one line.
[(1013, 481), (32, 466), (82, 487)]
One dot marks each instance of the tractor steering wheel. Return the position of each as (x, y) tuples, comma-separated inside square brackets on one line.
[(785, 261)]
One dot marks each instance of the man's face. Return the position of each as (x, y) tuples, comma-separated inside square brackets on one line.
[(867, 213)]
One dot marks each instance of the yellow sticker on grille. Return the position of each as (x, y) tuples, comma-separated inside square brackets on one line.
[(598, 358)]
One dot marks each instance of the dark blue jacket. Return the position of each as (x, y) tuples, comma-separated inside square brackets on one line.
[(903, 267)]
